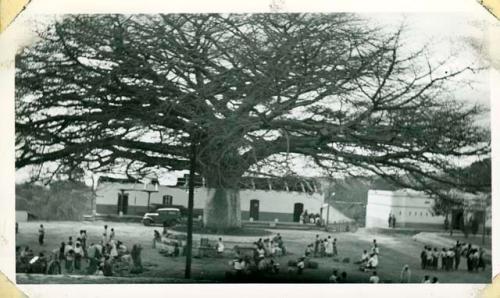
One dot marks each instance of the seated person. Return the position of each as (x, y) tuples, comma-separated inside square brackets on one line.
[(309, 250), (372, 262), (274, 266), (122, 249), (300, 265), (334, 278), (364, 258)]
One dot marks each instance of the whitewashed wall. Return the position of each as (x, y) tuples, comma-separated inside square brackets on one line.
[(408, 207), (270, 201)]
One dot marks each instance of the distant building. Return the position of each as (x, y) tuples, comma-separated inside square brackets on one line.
[(261, 198), (413, 209)]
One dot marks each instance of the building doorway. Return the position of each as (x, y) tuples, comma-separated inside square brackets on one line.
[(122, 203), (298, 208), (254, 209)]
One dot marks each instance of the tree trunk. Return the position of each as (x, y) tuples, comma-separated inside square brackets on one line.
[(222, 209)]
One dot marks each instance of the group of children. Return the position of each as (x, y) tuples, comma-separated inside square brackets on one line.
[(450, 258), (73, 254), (326, 247)]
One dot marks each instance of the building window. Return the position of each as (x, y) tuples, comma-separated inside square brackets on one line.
[(167, 200)]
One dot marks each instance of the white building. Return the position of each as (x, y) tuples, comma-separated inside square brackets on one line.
[(263, 201), (411, 209)]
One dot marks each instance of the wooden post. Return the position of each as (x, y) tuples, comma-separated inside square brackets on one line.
[(189, 242)]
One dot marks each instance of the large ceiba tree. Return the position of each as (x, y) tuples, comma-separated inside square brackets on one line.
[(105, 90)]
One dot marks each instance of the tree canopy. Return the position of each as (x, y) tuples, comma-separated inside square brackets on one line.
[(137, 90)]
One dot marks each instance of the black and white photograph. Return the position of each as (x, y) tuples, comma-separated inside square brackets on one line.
[(282, 147)]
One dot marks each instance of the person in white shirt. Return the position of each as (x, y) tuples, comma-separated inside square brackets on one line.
[(364, 257), (220, 247), (374, 279), (372, 262)]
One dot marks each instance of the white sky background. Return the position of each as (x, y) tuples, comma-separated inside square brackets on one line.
[(447, 36)]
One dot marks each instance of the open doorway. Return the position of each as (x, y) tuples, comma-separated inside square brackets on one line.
[(298, 208)]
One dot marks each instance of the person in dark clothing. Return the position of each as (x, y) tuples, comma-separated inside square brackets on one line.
[(61, 251), (316, 246), (458, 254), (481, 263), (423, 258), (41, 234), (107, 268)]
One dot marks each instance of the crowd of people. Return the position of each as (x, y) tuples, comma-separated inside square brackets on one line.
[(326, 247), (76, 256), (310, 218), (450, 258), (262, 258)]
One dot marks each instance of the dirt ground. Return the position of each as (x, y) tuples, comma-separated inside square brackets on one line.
[(396, 250)]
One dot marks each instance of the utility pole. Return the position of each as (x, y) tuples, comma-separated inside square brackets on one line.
[(189, 244)]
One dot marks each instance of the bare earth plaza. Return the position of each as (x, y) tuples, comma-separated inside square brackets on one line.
[(253, 148)]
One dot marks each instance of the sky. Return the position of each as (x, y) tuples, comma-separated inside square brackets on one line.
[(463, 37)]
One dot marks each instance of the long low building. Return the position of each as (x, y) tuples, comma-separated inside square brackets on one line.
[(414, 209), (261, 200)]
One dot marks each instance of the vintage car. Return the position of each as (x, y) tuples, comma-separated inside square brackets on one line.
[(168, 216)]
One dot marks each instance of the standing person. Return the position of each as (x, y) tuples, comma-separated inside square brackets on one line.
[(375, 249), (442, 261), (156, 238), (374, 279), (423, 258), (450, 255), (104, 239), (41, 235), (481, 263), (94, 255), (389, 220), (428, 256), (405, 276), (458, 254), (220, 247), (105, 235), (435, 258), (393, 221), (329, 247), (83, 237), (62, 251), (78, 256), (335, 252), (112, 235), (316, 245)]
